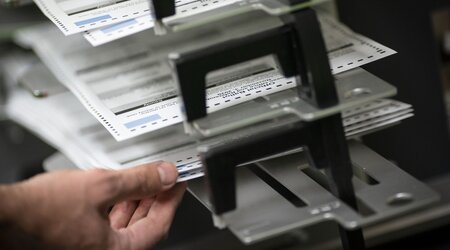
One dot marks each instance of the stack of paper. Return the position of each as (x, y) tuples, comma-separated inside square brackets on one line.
[(127, 85), (103, 21), (62, 121), (119, 106)]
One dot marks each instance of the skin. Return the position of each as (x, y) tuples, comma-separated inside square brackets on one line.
[(95, 209)]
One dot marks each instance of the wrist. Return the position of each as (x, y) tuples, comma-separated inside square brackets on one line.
[(3, 208), (7, 204)]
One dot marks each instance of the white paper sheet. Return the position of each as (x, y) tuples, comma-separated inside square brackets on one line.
[(75, 16), (128, 88), (116, 31), (131, 92), (62, 121), (347, 49)]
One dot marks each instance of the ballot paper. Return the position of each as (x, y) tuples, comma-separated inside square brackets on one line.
[(375, 115), (75, 16), (61, 120), (128, 87), (64, 123), (184, 8), (347, 49)]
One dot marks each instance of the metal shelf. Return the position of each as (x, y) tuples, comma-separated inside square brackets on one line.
[(383, 191)]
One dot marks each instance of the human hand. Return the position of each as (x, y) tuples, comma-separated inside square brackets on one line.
[(72, 209)]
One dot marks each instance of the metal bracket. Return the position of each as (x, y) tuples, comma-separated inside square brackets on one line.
[(298, 47), (382, 189), (300, 51)]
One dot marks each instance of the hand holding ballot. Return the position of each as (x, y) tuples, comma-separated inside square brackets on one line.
[(97, 209)]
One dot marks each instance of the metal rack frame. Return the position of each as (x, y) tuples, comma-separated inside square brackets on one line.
[(300, 51)]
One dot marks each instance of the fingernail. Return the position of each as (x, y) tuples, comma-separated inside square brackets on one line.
[(167, 173)]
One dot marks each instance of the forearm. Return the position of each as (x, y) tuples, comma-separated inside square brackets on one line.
[(12, 235)]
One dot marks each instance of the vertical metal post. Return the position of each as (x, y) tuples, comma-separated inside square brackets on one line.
[(317, 82), (330, 152)]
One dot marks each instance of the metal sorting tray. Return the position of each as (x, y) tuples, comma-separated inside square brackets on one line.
[(271, 7), (354, 87), (383, 191)]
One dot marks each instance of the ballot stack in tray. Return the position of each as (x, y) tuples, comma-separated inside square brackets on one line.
[(116, 106), (103, 21)]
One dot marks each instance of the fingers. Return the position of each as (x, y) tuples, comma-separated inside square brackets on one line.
[(121, 214), (141, 210), (148, 231), (143, 181)]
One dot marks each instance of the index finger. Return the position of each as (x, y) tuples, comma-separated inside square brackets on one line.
[(148, 231)]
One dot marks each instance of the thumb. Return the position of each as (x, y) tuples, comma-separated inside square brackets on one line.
[(144, 181)]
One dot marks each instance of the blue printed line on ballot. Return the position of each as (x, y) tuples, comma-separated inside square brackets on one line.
[(142, 121), (118, 26), (92, 20)]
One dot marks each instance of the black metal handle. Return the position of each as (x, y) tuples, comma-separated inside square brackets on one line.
[(192, 68), (220, 162), (163, 8), (298, 47)]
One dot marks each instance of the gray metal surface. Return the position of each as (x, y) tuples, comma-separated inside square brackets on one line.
[(14, 3), (58, 161), (40, 82), (263, 213)]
